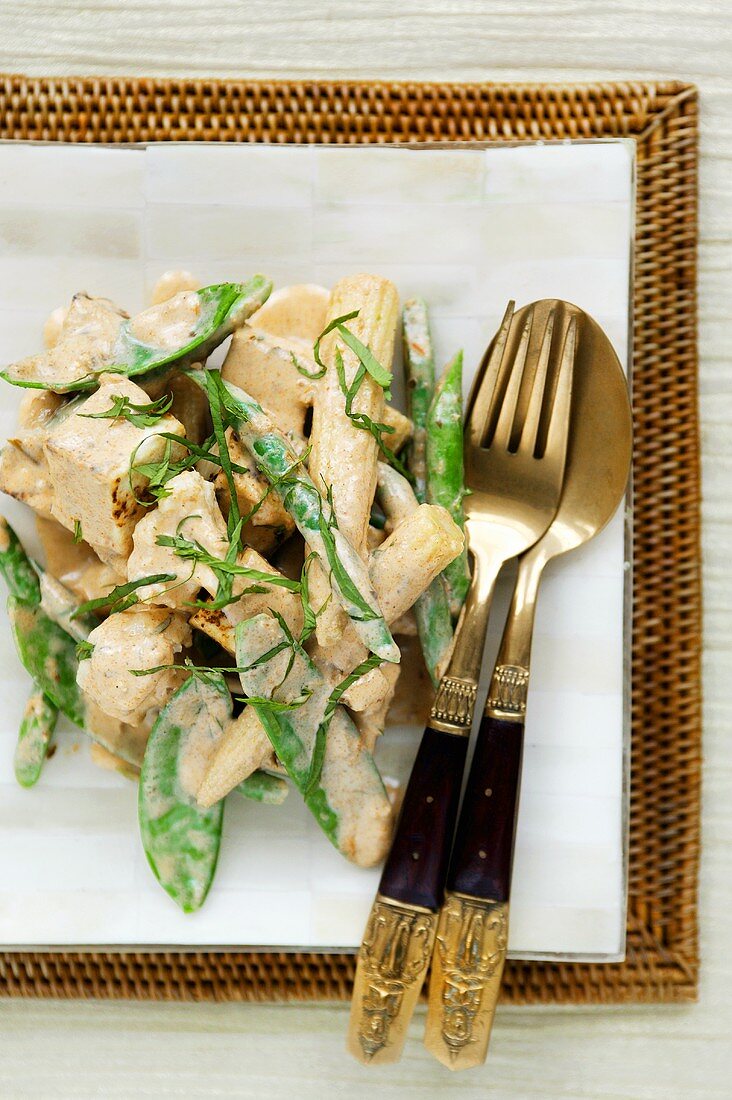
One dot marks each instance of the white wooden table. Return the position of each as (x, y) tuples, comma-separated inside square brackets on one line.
[(81, 1050)]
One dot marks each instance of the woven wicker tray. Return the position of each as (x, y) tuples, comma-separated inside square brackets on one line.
[(662, 958)]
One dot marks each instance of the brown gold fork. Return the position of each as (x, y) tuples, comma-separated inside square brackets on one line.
[(515, 442), (472, 933)]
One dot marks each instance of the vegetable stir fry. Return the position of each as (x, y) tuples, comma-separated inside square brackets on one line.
[(231, 555)]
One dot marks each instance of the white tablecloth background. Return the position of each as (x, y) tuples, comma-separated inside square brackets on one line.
[(80, 1050)]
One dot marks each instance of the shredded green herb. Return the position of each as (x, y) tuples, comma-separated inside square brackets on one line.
[(318, 755), (158, 473), (314, 374), (329, 328), (84, 650), (343, 580), (272, 705), (78, 533), (213, 392), (309, 616), (362, 351), (121, 596), (145, 415), (224, 569), (363, 420)]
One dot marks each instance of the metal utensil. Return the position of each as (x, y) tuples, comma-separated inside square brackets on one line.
[(515, 448), (473, 928)]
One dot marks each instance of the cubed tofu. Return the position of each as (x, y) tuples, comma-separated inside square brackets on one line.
[(189, 510), (141, 637), (271, 524), (89, 463), (266, 367)]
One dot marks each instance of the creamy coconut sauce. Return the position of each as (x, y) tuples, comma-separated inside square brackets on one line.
[(110, 762), (119, 738), (356, 793)]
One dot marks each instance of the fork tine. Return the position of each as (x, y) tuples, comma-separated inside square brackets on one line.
[(530, 430), (556, 441), (482, 398), (507, 415)]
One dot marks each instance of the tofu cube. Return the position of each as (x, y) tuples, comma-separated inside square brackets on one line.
[(139, 638), (89, 465)]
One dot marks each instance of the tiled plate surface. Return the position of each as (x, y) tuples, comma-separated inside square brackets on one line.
[(467, 229)]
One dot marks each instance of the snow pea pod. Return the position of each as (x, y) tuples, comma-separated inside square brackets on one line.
[(48, 653), (260, 786), (16, 567), (222, 309), (40, 715), (181, 840), (34, 738)]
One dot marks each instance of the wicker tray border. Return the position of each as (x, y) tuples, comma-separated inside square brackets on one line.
[(662, 938)]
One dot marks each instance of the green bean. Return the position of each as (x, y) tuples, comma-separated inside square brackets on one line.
[(434, 626), (352, 809), (180, 839), (312, 514), (224, 308), (419, 368), (260, 786), (34, 738), (445, 479), (432, 609)]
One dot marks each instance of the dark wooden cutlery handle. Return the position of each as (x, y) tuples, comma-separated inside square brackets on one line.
[(416, 866), (483, 851)]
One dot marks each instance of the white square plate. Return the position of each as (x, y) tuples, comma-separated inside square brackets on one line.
[(467, 229)]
